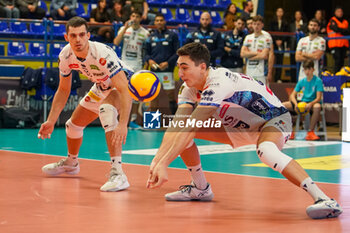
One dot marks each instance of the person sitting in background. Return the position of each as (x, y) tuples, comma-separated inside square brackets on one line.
[(231, 58), (8, 9), (119, 13), (100, 15), (160, 56), (63, 9), (230, 16), (207, 35), (279, 25), (309, 89), (29, 9)]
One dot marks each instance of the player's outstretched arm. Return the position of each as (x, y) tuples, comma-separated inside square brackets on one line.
[(158, 174), (120, 82), (58, 103), (183, 112)]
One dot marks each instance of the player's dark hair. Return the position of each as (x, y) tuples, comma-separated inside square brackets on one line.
[(315, 21), (158, 14), (258, 18), (137, 12), (197, 52), (76, 22), (308, 64)]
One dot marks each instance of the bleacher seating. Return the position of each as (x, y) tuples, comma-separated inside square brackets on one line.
[(16, 48), (58, 29), (36, 49), (18, 28), (168, 15), (55, 49), (195, 16), (216, 18), (81, 11), (182, 16), (36, 29), (4, 27)]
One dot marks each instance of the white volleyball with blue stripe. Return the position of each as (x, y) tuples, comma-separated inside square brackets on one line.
[(144, 86)]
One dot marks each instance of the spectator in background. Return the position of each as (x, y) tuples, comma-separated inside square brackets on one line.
[(279, 24), (256, 48), (142, 6), (338, 27), (63, 9), (311, 47), (249, 26), (119, 13), (231, 58), (9, 9), (133, 37), (319, 15), (29, 9), (309, 89), (248, 8), (298, 26), (101, 15), (160, 55), (205, 34), (229, 16)]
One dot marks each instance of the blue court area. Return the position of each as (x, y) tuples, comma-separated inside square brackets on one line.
[(325, 161)]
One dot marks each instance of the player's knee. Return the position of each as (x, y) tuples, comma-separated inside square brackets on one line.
[(270, 155), (74, 131), (108, 117)]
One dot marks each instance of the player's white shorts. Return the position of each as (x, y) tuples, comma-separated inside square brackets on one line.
[(241, 138), (166, 79), (93, 99)]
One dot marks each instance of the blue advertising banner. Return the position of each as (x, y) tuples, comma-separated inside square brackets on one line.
[(333, 86)]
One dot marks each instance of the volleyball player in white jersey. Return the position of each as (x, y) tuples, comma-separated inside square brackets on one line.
[(133, 36), (311, 47), (256, 48), (250, 114), (107, 99)]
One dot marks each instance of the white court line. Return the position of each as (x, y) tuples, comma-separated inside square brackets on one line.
[(224, 148)]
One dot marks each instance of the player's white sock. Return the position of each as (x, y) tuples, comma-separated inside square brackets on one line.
[(309, 186), (198, 177), (116, 163), (72, 160)]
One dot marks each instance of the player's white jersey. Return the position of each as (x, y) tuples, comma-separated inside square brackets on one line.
[(101, 63), (133, 42), (309, 46), (257, 68), (245, 104)]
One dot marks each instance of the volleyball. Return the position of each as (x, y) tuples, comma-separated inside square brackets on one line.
[(144, 86), (302, 107)]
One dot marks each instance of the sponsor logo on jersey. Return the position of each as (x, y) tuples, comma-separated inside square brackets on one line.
[(102, 61), (85, 70), (98, 74), (87, 99), (73, 66), (94, 67)]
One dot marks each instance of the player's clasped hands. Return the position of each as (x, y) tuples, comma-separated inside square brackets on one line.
[(46, 130)]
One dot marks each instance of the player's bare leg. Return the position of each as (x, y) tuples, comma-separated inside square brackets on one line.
[(80, 118), (199, 189), (109, 111), (269, 145)]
